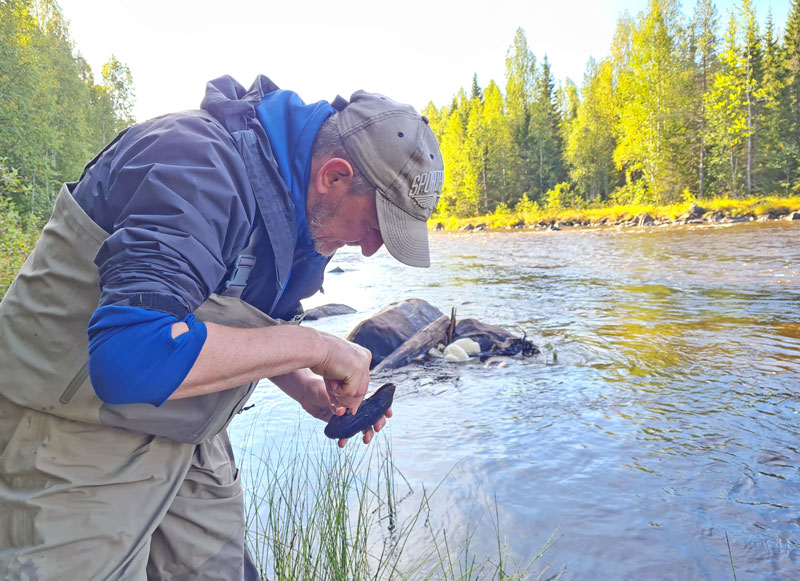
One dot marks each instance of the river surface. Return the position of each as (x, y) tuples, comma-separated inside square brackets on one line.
[(661, 423)]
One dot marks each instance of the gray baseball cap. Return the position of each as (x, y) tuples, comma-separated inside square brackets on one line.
[(396, 150)]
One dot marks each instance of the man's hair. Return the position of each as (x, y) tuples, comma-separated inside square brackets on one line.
[(327, 143)]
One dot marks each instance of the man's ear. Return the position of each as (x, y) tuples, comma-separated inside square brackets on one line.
[(335, 174)]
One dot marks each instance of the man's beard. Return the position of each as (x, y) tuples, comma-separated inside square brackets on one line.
[(320, 213)]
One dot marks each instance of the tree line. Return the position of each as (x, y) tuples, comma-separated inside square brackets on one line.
[(683, 107), (54, 117)]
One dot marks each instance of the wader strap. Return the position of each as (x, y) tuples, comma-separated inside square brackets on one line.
[(245, 263)]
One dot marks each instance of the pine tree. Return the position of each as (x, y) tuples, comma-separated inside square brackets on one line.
[(520, 85), (477, 92), (774, 159), (705, 37), (472, 196), (545, 133)]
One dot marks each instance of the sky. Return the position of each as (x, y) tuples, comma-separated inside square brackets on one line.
[(414, 51)]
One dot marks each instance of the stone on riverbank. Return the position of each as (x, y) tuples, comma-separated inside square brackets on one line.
[(695, 212)]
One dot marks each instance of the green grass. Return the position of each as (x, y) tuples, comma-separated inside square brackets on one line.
[(320, 513)]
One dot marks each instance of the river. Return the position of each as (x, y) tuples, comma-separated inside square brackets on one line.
[(658, 432)]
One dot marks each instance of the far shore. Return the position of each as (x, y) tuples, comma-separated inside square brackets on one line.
[(716, 211)]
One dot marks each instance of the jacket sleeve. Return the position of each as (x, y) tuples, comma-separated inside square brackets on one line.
[(175, 196)]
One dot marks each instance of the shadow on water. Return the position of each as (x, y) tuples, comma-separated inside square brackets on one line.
[(668, 418)]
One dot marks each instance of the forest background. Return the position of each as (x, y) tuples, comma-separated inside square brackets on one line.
[(686, 106)]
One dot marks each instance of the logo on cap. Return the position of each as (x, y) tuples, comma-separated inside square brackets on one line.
[(426, 188)]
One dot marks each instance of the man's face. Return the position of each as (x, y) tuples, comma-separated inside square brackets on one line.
[(349, 220)]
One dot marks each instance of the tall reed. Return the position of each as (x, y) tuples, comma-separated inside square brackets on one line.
[(314, 511)]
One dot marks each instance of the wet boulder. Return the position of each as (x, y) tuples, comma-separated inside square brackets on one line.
[(487, 336), (329, 310), (416, 347), (387, 330)]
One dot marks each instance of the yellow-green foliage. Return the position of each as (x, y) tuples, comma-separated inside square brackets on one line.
[(528, 212), (754, 206), (18, 234)]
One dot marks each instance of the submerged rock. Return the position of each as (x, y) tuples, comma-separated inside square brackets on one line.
[(329, 310), (418, 346)]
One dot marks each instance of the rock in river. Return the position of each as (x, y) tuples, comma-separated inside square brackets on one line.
[(329, 310), (405, 332), (387, 330)]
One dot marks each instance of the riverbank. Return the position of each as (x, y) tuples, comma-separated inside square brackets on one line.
[(712, 211)]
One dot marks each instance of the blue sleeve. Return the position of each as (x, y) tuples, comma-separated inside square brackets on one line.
[(133, 357)]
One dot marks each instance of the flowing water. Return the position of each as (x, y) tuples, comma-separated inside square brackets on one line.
[(660, 425)]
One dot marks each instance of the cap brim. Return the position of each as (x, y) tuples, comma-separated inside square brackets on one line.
[(405, 237)]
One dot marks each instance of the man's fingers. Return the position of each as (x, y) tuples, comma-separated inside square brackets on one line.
[(369, 433), (340, 401)]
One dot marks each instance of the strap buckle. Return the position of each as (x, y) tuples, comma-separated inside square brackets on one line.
[(241, 271)]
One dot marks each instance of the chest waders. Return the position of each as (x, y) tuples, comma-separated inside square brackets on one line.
[(92, 490)]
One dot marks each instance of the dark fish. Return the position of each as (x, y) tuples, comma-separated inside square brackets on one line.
[(369, 412)]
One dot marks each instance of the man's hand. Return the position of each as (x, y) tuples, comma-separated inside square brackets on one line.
[(311, 393), (344, 367)]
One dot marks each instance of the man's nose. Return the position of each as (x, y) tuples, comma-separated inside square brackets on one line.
[(371, 243)]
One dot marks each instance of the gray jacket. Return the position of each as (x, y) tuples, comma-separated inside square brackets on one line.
[(197, 184)]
